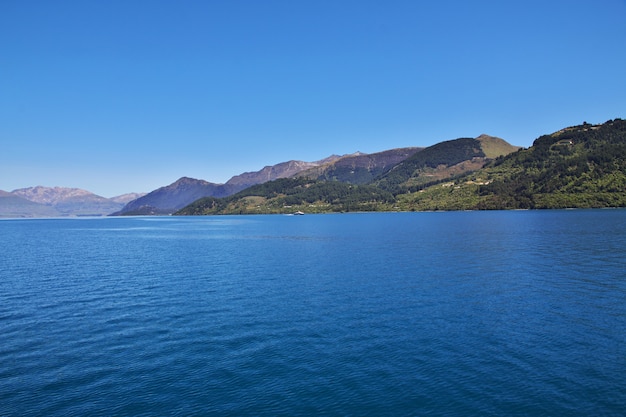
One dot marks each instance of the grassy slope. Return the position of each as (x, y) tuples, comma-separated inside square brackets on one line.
[(494, 147)]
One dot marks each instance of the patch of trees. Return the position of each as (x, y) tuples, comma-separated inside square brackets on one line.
[(334, 192)]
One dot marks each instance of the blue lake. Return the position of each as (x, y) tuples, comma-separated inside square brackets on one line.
[(462, 313)]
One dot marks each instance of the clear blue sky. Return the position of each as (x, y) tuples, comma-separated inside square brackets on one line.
[(121, 96)]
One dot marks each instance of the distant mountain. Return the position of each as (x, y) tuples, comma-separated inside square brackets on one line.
[(12, 205), (166, 200), (55, 201), (127, 198), (359, 168)]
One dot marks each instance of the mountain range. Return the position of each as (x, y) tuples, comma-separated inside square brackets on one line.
[(580, 166), (59, 202), (353, 168)]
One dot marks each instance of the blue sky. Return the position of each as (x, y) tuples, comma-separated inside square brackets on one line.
[(122, 96)]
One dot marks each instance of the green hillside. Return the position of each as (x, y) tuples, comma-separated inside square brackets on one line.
[(579, 167), (582, 166)]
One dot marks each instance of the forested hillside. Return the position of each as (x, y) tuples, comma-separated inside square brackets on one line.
[(579, 167)]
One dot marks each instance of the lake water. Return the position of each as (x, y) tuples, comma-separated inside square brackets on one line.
[(463, 313)]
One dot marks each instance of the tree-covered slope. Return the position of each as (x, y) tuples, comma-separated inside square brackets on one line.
[(581, 166)]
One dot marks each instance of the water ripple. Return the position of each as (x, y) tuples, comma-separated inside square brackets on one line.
[(503, 313)]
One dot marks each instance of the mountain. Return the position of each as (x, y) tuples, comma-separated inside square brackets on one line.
[(59, 201), (12, 205), (168, 199), (359, 168), (358, 181)]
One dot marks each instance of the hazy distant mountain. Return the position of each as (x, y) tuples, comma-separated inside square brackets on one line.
[(12, 205), (127, 198), (68, 201)]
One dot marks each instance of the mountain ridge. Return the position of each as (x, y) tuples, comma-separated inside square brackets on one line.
[(320, 190)]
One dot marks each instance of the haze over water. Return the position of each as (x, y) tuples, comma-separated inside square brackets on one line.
[(462, 313)]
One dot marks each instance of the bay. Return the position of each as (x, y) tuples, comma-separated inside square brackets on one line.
[(459, 313)]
